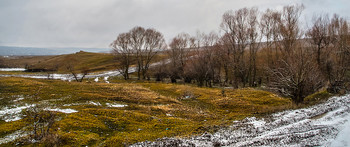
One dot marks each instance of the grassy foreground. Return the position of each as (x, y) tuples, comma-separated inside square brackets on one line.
[(153, 110)]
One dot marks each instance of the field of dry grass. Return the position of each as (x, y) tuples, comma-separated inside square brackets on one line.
[(147, 111)]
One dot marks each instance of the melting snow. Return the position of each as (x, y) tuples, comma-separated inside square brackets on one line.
[(115, 105), (96, 104), (106, 79), (63, 110), (12, 69), (12, 137), (13, 114), (325, 124), (69, 77)]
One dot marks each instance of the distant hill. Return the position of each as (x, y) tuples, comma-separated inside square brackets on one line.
[(32, 51)]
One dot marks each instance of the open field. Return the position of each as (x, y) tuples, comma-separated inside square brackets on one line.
[(126, 113)]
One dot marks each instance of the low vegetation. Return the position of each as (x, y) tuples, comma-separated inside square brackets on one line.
[(149, 110)]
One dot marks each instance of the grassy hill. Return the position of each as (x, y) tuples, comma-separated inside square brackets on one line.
[(21, 61), (80, 60), (146, 110), (94, 62)]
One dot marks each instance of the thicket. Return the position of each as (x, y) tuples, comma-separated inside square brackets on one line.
[(269, 48)]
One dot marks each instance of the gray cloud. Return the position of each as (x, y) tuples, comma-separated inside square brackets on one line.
[(95, 23)]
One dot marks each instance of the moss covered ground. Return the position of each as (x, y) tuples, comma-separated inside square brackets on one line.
[(152, 110)]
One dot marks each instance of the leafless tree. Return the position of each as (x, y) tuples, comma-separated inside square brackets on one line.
[(78, 74), (240, 28), (297, 76), (340, 52), (178, 55), (146, 44), (289, 27), (254, 40), (319, 37), (269, 25), (123, 51), (142, 44), (201, 66)]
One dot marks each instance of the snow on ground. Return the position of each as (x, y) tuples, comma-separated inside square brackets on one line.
[(342, 138), (12, 136), (106, 79), (325, 124), (69, 77), (95, 103), (13, 113), (12, 69), (115, 105), (62, 110)]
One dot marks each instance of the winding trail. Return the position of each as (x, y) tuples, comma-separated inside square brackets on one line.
[(325, 124)]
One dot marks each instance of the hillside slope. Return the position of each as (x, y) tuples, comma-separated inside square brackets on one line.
[(79, 60), (118, 114)]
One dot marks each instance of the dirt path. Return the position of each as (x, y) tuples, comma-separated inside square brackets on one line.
[(318, 125)]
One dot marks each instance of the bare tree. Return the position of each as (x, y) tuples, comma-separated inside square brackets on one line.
[(240, 28), (319, 37), (154, 42), (297, 75), (340, 52), (289, 27), (78, 74), (178, 55), (202, 65), (146, 44), (269, 25), (254, 43), (142, 44), (123, 51)]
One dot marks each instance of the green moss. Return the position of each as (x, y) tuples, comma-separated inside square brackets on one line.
[(79, 138), (10, 127), (317, 97)]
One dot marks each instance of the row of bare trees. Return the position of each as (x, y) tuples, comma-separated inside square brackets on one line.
[(255, 48)]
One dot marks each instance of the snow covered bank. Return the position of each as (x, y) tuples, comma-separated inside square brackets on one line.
[(12, 69), (325, 124)]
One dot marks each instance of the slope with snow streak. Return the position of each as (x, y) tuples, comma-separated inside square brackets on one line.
[(69, 77), (318, 125)]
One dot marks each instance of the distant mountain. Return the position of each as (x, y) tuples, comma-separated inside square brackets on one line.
[(32, 51)]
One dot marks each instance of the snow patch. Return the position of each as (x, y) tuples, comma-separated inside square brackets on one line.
[(12, 69), (62, 110), (18, 99), (13, 136), (95, 103), (13, 114), (106, 79), (115, 105)]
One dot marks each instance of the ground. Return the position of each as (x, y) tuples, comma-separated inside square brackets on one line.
[(325, 124), (127, 112)]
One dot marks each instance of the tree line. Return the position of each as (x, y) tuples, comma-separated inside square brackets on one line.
[(270, 48)]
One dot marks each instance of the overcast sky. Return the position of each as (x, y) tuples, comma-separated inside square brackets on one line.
[(96, 23)]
